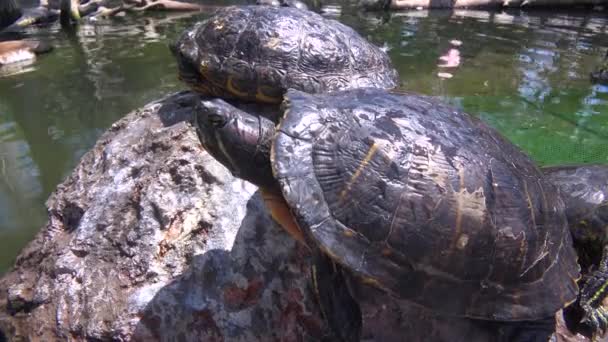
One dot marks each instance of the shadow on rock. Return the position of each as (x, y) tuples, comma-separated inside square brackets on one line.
[(258, 291)]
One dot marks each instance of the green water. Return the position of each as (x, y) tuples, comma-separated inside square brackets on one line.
[(524, 73)]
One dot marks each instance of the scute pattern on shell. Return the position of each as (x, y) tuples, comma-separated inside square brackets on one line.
[(425, 202), (258, 52)]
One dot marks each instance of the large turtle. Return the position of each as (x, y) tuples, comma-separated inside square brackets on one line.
[(255, 53), (411, 196), (584, 189)]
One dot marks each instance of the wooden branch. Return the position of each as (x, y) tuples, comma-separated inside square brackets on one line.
[(90, 6), (170, 5), (109, 12), (139, 3)]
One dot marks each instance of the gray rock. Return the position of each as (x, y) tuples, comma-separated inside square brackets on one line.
[(149, 239)]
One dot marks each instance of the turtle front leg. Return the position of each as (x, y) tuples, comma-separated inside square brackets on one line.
[(593, 300)]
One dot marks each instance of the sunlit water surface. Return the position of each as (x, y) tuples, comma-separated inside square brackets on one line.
[(526, 74)]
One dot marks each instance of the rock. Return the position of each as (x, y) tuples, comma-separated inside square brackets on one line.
[(150, 239)]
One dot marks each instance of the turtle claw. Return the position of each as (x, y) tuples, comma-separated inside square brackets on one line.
[(596, 321), (594, 318), (592, 323)]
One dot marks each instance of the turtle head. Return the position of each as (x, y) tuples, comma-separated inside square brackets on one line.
[(238, 140)]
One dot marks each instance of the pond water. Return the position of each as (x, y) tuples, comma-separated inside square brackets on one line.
[(525, 73)]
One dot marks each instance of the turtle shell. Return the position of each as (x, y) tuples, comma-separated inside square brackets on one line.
[(425, 202), (257, 52)]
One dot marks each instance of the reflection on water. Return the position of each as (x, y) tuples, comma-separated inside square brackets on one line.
[(51, 115), (524, 73)]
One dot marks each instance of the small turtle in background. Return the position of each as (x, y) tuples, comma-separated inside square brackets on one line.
[(255, 53), (584, 189), (600, 75), (411, 196)]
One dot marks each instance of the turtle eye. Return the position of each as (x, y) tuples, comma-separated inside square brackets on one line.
[(216, 120)]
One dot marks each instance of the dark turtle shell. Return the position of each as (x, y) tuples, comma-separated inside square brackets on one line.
[(426, 203), (257, 52)]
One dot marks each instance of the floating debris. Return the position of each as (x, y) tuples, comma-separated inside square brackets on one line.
[(455, 42), (444, 75), (451, 59)]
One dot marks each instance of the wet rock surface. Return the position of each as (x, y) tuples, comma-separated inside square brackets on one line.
[(150, 239)]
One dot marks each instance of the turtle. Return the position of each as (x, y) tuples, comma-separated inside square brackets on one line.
[(409, 195), (254, 53), (584, 190)]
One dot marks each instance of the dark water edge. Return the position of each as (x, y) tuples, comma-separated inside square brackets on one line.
[(525, 73)]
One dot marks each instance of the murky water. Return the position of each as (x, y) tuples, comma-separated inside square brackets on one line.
[(526, 74)]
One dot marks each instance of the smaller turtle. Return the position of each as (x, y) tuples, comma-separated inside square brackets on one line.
[(584, 189), (254, 53), (413, 197)]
